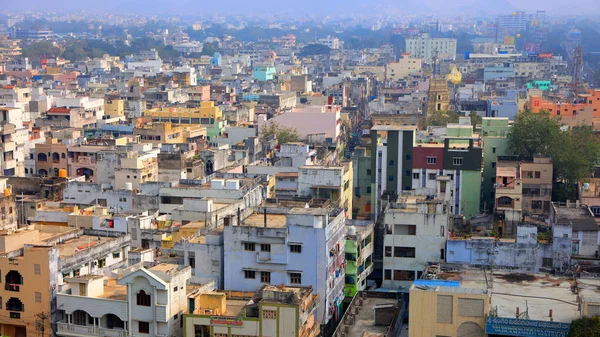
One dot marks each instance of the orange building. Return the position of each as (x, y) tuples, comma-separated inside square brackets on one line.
[(567, 107)]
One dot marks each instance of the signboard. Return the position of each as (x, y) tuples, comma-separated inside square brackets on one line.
[(226, 321), (545, 55), (524, 327)]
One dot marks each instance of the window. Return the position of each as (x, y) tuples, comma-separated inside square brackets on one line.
[(143, 299), (265, 247), (528, 174), (431, 176), (192, 262), (368, 189), (408, 157), (38, 297), (405, 230), (36, 269), (391, 178), (404, 252), (295, 278), (407, 173), (269, 314), (537, 174), (494, 150), (116, 255), (387, 274), (143, 327), (249, 274), (493, 164), (416, 175), (457, 161), (265, 277), (368, 172), (391, 163), (388, 251), (536, 204), (295, 248), (175, 289), (249, 246), (404, 275), (431, 160)]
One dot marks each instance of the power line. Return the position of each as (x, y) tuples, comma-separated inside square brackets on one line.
[(42, 326)]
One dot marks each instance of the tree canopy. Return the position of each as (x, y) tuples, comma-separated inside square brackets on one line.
[(585, 327), (574, 151), (284, 134), (441, 118), (315, 49)]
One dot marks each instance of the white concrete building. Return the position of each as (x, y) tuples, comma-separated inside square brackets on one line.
[(204, 254), (415, 235), (13, 140), (427, 48), (87, 104), (142, 302), (298, 246), (330, 41)]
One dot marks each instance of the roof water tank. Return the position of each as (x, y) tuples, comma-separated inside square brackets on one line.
[(129, 186), (62, 173), (351, 230), (217, 184)]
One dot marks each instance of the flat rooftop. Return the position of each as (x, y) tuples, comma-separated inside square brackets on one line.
[(257, 220), (364, 324), (536, 293), (84, 242), (114, 291)]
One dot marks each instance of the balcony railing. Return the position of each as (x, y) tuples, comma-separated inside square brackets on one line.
[(89, 330), (12, 287)]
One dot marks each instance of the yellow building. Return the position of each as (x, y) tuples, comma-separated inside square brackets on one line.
[(29, 269), (272, 311), (207, 113), (114, 107), (160, 133), (447, 311)]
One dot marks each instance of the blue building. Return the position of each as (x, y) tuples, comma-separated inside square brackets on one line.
[(263, 73), (498, 71), (215, 61)]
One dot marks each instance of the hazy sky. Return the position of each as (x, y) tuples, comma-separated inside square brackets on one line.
[(319, 7)]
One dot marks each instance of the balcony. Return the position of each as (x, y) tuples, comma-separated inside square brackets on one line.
[(66, 329), (8, 146), (6, 129)]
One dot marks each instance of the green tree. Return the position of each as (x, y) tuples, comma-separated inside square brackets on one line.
[(475, 118), (585, 327), (441, 118), (284, 134), (315, 49), (534, 133), (210, 49)]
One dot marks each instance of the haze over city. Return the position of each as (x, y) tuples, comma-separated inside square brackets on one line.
[(385, 168)]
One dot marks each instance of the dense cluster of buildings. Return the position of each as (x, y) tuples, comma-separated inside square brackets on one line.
[(259, 192)]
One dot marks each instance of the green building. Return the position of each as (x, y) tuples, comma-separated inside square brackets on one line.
[(462, 162), (361, 203), (359, 259), (543, 85), (494, 136)]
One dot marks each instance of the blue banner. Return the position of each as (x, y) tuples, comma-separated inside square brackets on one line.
[(525, 327)]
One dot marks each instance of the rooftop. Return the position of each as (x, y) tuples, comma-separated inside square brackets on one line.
[(84, 242), (257, 220), (364, 323)]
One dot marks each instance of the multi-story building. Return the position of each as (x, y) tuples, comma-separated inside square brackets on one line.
[(330, 41), (494, 138), (428, 48), (82, 161), (416, 230), (359, 259), (403, 67), (141, 302), (298, 246), (361, 200), (271, 311), (508, 195), (50, 158), (536, 177), (567, 108), (328, 182), (391, 162), (13, 139), (136, 169), (35, 261)]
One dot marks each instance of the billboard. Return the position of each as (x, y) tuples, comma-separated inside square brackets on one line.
[(524, 327), (545, 55)]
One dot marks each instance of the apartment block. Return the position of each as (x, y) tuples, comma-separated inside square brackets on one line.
[(140, 302), (271, 311), (359, 255), (291, 246), (428, 48), (416, 231)]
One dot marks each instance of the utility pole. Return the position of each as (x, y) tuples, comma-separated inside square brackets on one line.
[(42, 326)]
